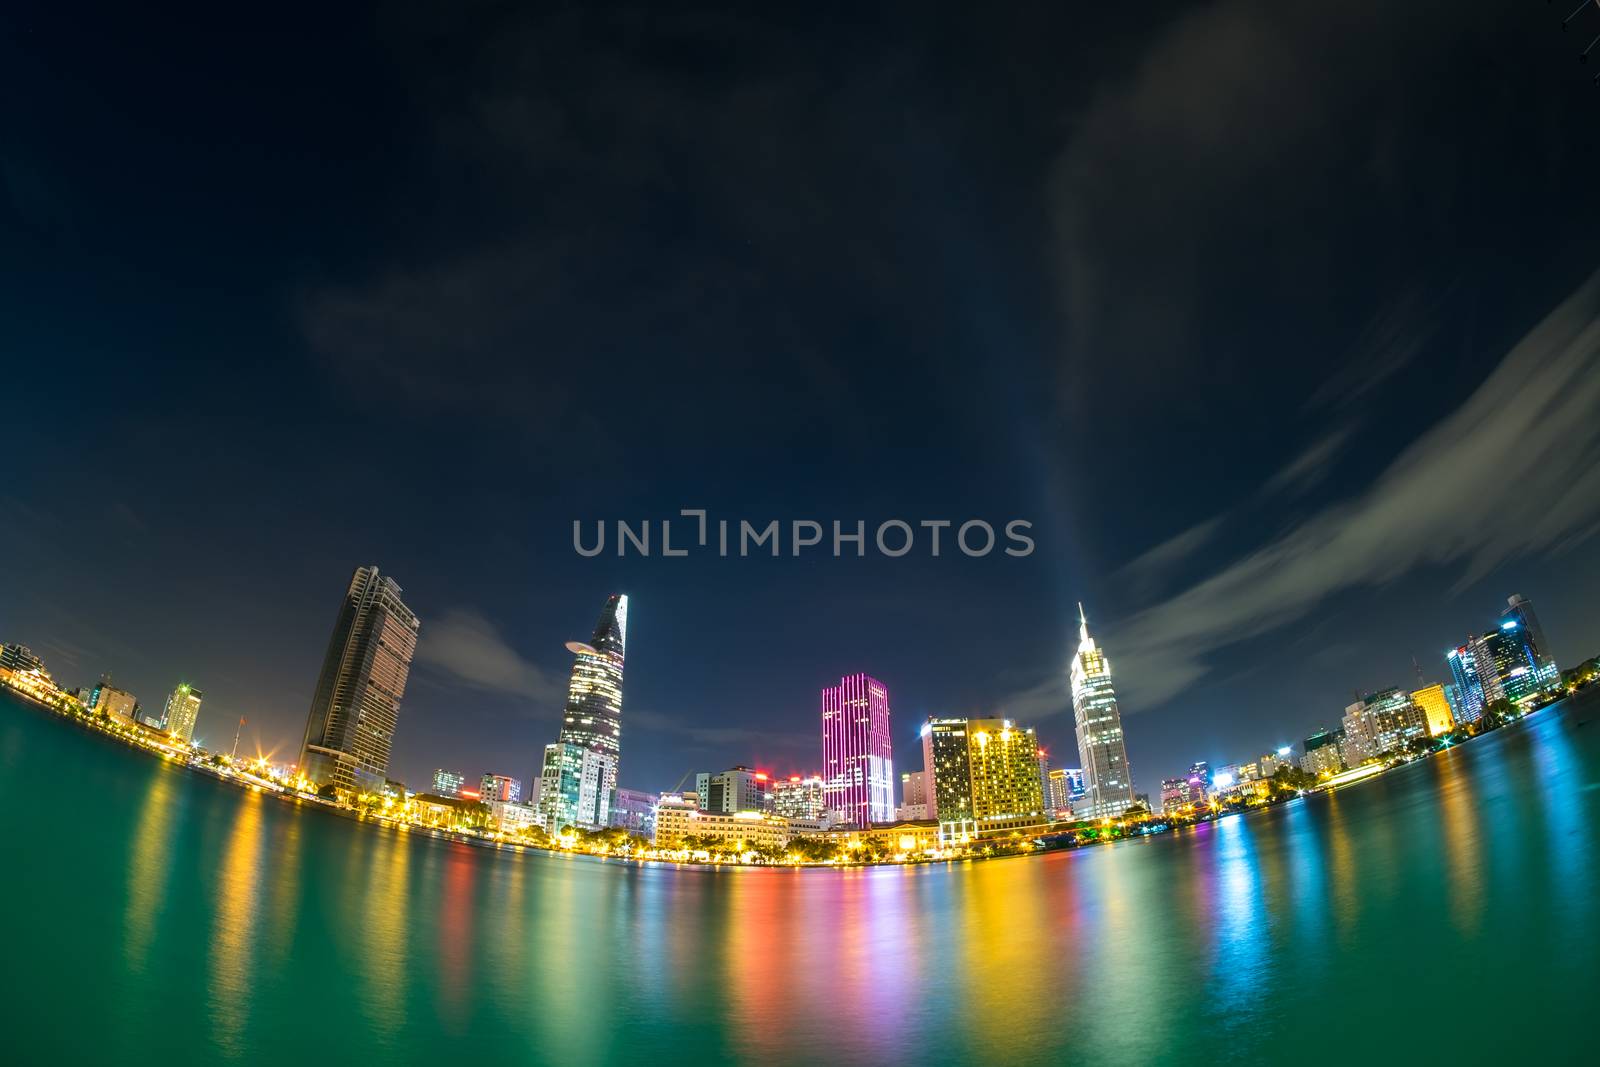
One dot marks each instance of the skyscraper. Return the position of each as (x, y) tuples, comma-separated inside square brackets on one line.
[(593, 714), (1108, 782), (1472, 695), (857, 755), (572, 787), (183, 708), (1004, 759), (1436, 706), (947, 788), (799, 797), (356, 706), (1518, 617)]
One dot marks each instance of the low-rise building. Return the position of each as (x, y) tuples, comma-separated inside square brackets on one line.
[(680, 826), (1323, 753), (510, 816)]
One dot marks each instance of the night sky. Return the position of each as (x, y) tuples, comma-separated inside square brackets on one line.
[(1275, 320)]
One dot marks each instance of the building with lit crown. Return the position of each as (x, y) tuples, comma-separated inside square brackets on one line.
[(183, 709), (1004, 764), (355, 708), (592, 717), (1107, 778), (857, 751)]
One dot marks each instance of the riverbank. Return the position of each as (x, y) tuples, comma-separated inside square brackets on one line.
[(1065, 836)]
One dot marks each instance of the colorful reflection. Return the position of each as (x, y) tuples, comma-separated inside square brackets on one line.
[(233, 964)]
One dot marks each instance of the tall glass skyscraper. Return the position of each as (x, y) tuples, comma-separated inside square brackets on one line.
[(183, 709), (857, 756), (1107, 780), (593, 715), (356, 706)]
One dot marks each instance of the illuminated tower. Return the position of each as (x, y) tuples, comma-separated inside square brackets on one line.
[(1108, 783), (356, 706), (183, 708), (857, 760), (593, 717), (1004, 763)]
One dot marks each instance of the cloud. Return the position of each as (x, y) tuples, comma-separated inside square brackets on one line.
[(1310, 466), (467, 647), (740, 737), (1514, 470)]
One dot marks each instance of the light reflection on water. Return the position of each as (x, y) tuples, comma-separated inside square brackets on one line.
[(1201, 945)]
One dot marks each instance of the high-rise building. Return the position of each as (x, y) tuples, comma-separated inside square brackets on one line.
[(913, 795), (857, 752), (735, 789), (1058, 797), (448, 783), (1174, 794), (799, 797), (356, 706), (107, 698), (500, 787), (593, 714), (1004, 762), (947, 772), (1475, 689), (1436, 706), (1323, 753), (183, 709), (1519, 618), (1108, 781), (1382, 724), (635, 811), (572, 787)]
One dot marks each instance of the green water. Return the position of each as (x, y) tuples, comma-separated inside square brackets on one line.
[(1445, 912)]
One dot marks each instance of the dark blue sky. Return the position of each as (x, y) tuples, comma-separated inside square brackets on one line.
[(1229, 301)]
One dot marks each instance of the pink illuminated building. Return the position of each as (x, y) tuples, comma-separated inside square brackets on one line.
[(857, 759)]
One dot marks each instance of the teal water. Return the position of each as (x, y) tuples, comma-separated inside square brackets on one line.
[(1446, 912)]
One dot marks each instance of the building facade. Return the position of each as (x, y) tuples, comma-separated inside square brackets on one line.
[(799, 797), (107, 698), (355, 709), (913, 796), (1323, 753), (947, 772), (1519, 619), (20, 658), (1004, 763), (572, 787), (593, 715), (1472, 695), (1436, 706), (499, 787), (183, 710), (635, 811), (448, 783), (857, 751), (735, 789), (1108, 781), (679, 825)]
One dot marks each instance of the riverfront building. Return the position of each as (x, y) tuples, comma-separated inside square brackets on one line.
[(21, 659), (947, 772), (107, 698), (1004, 763), (635, 811), (1436, 706), (1474, 692), (913, 796), (680, 825), (448, 783), (500, 787), (799, 797), (356, 706), (183, 709), (735, 789), (857, 753), (593, 713), (1323, 753), (1108, 781), (572, 787)]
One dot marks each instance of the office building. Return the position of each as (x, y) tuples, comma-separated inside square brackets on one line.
[(112, 701), (1519, 619), (857, 755), (499, 787), (355, 708), (1003, 759), (572, 787), (183, 709), (1174, 794), (1475, 690), (799, 797), (1058, 797), (635, 811), (735, 789), (1108, 781), (1436, 706), (593, 714), (913, 796), (947, 774), (1323, 753), (447, 783)]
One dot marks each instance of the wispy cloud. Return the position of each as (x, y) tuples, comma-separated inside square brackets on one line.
[(731, 737), (1310, 466), (1516, 469), (467, 647)]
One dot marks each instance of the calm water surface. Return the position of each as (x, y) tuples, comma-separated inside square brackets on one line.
[(1445, 912)]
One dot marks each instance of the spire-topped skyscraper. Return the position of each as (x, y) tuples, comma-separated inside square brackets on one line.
[(1107, 781), (579, 774)]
